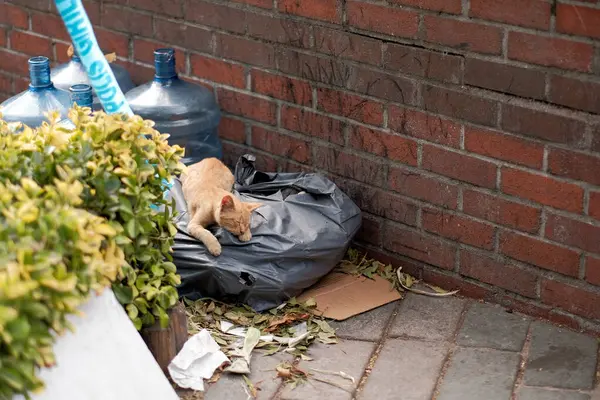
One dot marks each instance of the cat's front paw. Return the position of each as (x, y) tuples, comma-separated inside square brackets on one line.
[(214, 249)]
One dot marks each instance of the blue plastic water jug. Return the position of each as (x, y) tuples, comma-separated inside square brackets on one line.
[(29, 106), (72, 73), (82, 95), (188, 112)]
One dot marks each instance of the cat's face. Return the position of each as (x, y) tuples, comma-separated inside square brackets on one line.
[(235, 216)]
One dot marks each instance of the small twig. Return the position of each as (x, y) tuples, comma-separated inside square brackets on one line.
[(423, 292), (340, 373), (332, 383)]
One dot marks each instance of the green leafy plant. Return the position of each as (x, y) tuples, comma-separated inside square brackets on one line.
[(53, 254), (122, 164)]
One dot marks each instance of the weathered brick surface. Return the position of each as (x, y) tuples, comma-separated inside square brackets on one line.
[(466, 127)]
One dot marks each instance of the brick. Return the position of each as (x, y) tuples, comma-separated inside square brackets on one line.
[(232, 129), (412, 365), (578, 20), (347, 45), (542, 189), (289, 32), (383, 144), (216, 15), (592, 270), (257, 3), (533, 14), (570, 164), (368, 326), (504, 147), (316, 125), (348, 165), (244, 50), (21, 84), (43, 5), (307, 66), (544, 255), (594, 205), (595, 138), (218, 71), (419, 186), (13, 16), (424, 63), (248, 106), (425, 126), (350, 106), (391, 21), (61, 51), (124, 20), (13, 63), (570, 298), (354, 355), (469, 376), (187, 36), (490, 326), (49, 25), (525, 82), (173, 8), (92, 8), (459, 228), (144, 51), (573, 233), (281, 87), (280, 144), (458, 166), (381, 85), (575, 93), (543, 125), (503, 212), (418, 246), (380, 202), (459, 104), (5, 84), (447, 6), (325, 10), (496, 273), (139, 73), (369, 231), (463, 35), (112, 41), (30, 44), (550, 51)]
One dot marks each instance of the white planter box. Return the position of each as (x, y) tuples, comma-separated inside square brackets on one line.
[(104, 359)]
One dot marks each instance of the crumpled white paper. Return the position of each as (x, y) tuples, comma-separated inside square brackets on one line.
[(241, 357), (197, 360)]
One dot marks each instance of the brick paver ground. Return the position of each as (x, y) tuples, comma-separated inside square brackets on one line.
[(424, 348)]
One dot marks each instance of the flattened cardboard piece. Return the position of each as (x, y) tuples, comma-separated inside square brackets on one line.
[(340, 296)]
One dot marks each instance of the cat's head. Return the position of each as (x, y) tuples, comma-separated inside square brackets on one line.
[(235, 216)]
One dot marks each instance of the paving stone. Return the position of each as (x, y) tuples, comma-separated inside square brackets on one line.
[(429, 318), (231, 386), (491, 326), (560, 358), (476, 374), (531, 393), (413, 367), (348, 355), (365, 326)]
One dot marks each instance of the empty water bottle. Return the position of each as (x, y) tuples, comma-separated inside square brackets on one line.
[(188, 112), (30, 106), (66, 75)]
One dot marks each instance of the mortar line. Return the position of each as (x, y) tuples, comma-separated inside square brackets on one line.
[(451, 350), (375, 355), (524, 354)]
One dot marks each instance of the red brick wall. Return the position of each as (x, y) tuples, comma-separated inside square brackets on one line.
[(467, 130)]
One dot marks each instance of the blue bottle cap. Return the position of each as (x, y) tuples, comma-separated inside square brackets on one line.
[(164, 64), (39, 72), (82, 95)]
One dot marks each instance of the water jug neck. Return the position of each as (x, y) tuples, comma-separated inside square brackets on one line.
[(81, 94), (164, 65), (39, 72)]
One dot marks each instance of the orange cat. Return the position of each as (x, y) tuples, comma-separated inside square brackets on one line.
[(207, 190)]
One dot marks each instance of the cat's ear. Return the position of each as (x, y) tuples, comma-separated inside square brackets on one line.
[(252, 206), (227, 203)]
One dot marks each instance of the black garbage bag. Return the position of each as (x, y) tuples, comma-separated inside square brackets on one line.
[(300, 233)]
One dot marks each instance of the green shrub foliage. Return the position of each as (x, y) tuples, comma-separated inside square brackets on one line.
[(78, 210)]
